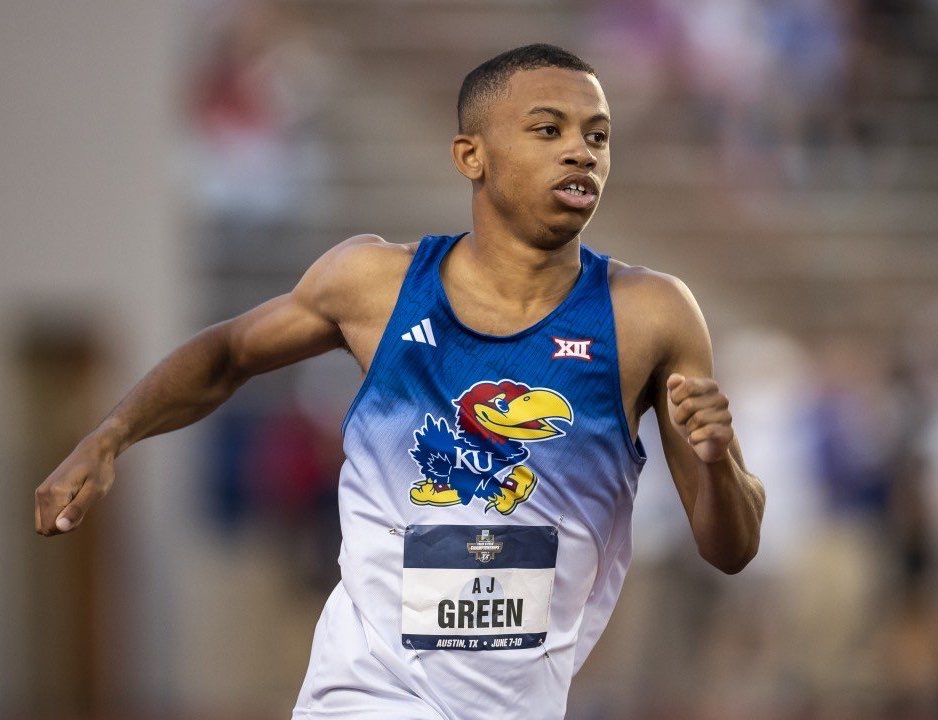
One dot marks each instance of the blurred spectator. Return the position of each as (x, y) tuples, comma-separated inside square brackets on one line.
[(727, 54), (643, 38), (258, 94), (752, 660), (911, 646), (856, 426), (859, 570), (810, 66), (239, 125), (293, 475), (293, 466)]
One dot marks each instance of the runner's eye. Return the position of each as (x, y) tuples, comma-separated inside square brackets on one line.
[(500, 405), (549, 130)]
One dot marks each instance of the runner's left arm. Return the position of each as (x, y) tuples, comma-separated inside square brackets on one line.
[(724, 502)]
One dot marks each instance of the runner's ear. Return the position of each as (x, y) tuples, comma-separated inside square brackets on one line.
[(467, 156)]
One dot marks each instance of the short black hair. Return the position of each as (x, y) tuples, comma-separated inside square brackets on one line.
[(490, 79)]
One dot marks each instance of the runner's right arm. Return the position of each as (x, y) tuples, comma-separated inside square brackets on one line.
[(197, 377)]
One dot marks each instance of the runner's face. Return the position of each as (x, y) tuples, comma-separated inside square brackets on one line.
[(546, 150)]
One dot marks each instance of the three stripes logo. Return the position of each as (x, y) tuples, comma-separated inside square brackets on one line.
[(421, 333)]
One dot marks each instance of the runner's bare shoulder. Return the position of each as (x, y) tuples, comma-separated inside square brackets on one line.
[(356, 275), (653, 306), (646, 289)]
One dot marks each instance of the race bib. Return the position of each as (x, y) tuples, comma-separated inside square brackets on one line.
[(477, 587)]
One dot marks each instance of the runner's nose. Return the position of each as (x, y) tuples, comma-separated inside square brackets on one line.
[(580, 155)]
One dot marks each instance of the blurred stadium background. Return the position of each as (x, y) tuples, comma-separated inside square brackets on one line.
[(164, 165)]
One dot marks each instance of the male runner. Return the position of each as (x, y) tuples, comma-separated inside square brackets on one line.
[(492, 455)]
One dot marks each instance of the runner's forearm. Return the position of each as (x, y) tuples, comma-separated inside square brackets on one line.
[(727, 515), (184, 387)]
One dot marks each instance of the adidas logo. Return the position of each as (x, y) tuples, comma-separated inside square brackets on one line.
[(421, 333)]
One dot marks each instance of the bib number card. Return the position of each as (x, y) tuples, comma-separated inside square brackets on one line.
[(477, 587)]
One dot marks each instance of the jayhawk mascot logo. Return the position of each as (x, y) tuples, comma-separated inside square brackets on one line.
[(483, 455)]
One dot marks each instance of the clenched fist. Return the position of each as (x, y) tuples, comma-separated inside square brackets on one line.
[(64, 497), (699, 412)]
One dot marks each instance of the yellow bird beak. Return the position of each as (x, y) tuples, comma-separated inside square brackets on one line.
[(528, 416)]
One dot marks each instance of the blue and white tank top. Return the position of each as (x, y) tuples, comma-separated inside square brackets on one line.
[(487, 495)]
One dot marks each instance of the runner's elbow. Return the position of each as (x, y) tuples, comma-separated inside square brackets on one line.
[(730, 563)]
